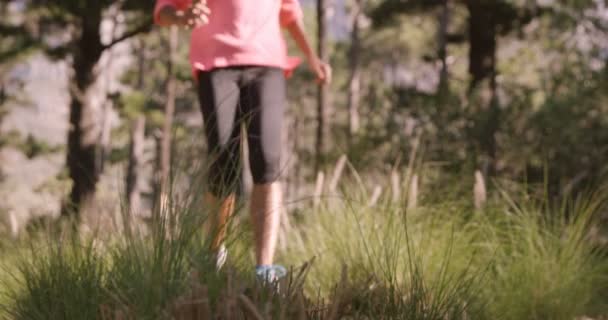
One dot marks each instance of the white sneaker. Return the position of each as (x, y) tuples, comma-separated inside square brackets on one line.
[(270, 274), (220, 258)]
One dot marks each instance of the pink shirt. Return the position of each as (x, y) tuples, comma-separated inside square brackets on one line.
[(240, 32)]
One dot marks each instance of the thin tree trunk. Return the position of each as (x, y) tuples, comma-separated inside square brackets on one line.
[(482, 37), (157, 135), (444, 17), (138, 136), (2, 98), (136, 161), (141, 63), (288, 158), (295, 151), (482, 68), (85, 128), (107, 105), (323, 111), (354, 81), (165, 158)]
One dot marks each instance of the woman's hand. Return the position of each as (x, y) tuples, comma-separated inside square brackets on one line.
[(321, 70), (195, 16)]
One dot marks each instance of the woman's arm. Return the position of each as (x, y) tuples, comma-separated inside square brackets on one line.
[(321, 69)]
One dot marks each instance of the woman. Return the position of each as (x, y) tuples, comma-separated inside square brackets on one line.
[(239, 59)]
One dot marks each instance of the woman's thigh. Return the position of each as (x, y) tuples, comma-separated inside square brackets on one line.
[(263, 101), (218, 92)]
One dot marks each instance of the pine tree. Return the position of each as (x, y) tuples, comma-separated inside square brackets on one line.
[(486, 21), (80, 23)]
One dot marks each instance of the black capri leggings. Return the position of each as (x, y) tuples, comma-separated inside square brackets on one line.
[(249, 95)]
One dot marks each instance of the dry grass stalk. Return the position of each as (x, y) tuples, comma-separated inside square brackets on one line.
[(250, 307), (337, 173), (395, 185), (479, 190), (373, 200), (412, 197), (229, 301), (193, 305), (412, 159), (340, 291), (302, 310), (286, 227), (318, 188), (285, 220), (13, 224), (109, 313)]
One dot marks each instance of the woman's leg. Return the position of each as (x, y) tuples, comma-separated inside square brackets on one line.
[(263, 98), (266, 206), (216, 224), (219, 99)]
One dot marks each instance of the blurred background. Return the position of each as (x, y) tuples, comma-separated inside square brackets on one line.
[(98, 110)]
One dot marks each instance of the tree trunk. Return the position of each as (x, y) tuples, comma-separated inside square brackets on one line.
[(165, 158), (2, 98), (323, 106), (85, 128), (296, 175), (442, 35), (354, 81), (482, 69), (138, 136), (141, 63), (136, 162), (482, 37)]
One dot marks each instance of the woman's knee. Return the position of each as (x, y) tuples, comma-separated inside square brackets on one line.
[(223, 178), (266, 167), (224, 171)]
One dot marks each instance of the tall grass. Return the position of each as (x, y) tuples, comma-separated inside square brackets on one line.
[(408, 265), (58, 281), (516, 259), (166, 273), (545, 264)]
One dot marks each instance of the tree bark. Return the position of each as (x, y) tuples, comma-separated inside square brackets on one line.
[(136, 162), (354, 81), (84, 155), (165, 161), (2, 98), (134, 179), (482, 69), (323, 104), (442, 35), (141, 63), (482, 37), (85, 129)]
